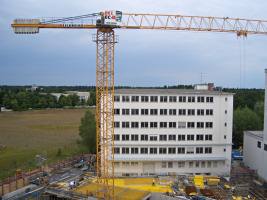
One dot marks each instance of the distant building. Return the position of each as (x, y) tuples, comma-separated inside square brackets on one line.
[(81, 95), (158, 131), (33, 88), (255, 145)]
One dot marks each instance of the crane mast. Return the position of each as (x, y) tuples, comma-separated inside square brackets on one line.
[(105, 39)]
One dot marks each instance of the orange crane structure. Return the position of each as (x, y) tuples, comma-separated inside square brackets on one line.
[(105, 23)]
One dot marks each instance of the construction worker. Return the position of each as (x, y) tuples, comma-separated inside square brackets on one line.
[(153, 183)]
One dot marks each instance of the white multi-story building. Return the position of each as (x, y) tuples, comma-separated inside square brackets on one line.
[(158, 131), (255, 145)]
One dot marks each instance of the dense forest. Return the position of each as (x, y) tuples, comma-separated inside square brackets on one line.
[(248, 103)]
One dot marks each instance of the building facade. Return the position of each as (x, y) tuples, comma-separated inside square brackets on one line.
[(255, 145), (159, 131)]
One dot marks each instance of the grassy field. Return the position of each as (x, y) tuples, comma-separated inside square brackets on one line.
[(26, 134)]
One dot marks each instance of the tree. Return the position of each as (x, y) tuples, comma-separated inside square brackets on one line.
[(42, 103), (87, 131), (244, 120)]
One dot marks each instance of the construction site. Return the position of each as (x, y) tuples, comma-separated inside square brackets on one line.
[(92, 176), (75, 178)]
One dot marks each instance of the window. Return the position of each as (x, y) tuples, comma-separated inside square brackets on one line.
[(116, 124), (199, 150), (125, 137), (144, 124), (134, 137), (134, 164), (226, 99), (135, 112), (208, 137), (153, 124), (116, 137), (225, 124), (169, 164), (172, 137), (209, 99), (200, 112), (125, 150), (181, 124), (182, 99), (181, 164), (144, 111), (134, 125), (163, 99), (144, 137), (181, 150), (215, 164), (209, 124), (200, 137), (182, 111), (153, 111), (163, 124), (135, 98), (116, 111), (163, 165), (172, 111), (162, 137), (265, 147), (117, 164), (225, 112), (209, 164), (200, 124), (181, 137), (224, 136), (134, 150), (191, 164), (153, 138), (173, 99), (209, 112), (116, 98), (116, 150), (191, 112), (201, 99), (153, 150), (259, 144), (208, 150), (125, 98), (203, 164), (144, 98), (190, 150), (125, 164), (153, 98), (144, 150), (191, 99), (171, 150), (162, 150), (163, 111), (191, 137), (190, 124), (197, 164), (125, 111), (172, 124)]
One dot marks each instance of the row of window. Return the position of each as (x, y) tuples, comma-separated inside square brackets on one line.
[(259, 146), (162, 150), (163, 124), (163, 137), (180, 164), (189, 112), (163, 99)]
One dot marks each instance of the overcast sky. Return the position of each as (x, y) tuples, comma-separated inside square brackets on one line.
[(142, 57)]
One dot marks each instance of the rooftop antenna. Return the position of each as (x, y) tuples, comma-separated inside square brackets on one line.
[(201, 78)]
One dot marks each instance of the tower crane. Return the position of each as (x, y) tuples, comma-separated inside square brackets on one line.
[(105, 23)]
